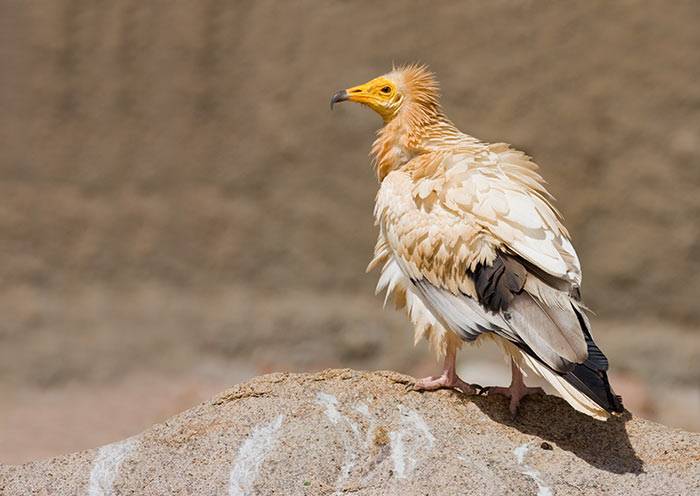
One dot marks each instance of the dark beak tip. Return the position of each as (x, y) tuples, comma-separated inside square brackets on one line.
[(338, 97)]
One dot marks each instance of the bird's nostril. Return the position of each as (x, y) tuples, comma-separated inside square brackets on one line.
[(355, 91)]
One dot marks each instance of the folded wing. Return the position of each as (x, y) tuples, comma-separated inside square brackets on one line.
[(487, 253)]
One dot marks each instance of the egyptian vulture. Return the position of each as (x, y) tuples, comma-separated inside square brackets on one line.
[(471, 246)]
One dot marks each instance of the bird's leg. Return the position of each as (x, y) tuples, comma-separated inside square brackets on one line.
[(516, 391), (448, 379)]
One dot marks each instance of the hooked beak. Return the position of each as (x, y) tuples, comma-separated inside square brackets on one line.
[(367, 94), (340, 96), (355, 94)]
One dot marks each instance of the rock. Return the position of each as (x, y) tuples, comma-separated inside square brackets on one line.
[(347, 432)]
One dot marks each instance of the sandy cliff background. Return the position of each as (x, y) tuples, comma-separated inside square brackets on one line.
[(180, 209)]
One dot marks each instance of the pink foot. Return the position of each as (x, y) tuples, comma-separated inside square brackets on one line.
[(515, 392), (445, 381)]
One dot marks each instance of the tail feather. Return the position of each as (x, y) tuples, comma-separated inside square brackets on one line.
[(590, 377), (594, 385), (585, 386), (577, 399)]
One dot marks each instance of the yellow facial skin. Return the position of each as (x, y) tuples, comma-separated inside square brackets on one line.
[(379, 94)]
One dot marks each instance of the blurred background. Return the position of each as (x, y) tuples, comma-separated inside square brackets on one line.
[(181, 211)]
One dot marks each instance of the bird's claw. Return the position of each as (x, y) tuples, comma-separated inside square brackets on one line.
[(444, 382), (480, 390), (471, 389)]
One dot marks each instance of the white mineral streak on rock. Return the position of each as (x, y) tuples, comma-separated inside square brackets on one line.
[(105, 467), (374, 461), (331, 404), (251, 454), (417, 421), (408, 443), (397, 454), (350, 453), (542, 489), (363, 409)]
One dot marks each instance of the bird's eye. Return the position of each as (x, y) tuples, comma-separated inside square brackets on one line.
[(386, 90)]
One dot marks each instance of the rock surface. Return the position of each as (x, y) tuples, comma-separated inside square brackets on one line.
[(347, 432)]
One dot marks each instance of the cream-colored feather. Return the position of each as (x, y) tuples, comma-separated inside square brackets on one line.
[(448, 206)]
